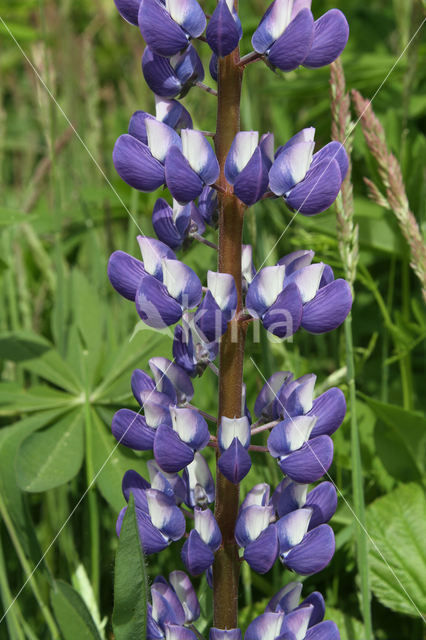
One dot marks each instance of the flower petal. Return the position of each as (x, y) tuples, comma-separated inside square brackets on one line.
[(155, 306), (173, 113), (330, 409), (287, 598), (165, 515), (267, 395), (178, 377), (235, 462), (151, 538), (182, 181), (129, 10), (160, 75), (131, 430), (329, 308), (231, 428), (307, 280), (177, 632), (196, 555), (300, 395), (161, 138), (186, 594), (292, 497), (164, 225), (209, 319), (189, 15), (156, 407), (290, 167), (190, 427), (326, 630), (223, 289), (259, 495), (199, 482), (297, 260), (289, 435), (311, 462), (182, 283), (242, 148), (200, 155), (323, 502), (153, 252), (174, 611), (296, 622), (224, 634), (170, 452), (251, 184), (251, 522), (273, 24), (318, 190), (222, 32), (262, 552), (291, 49), (318, 612), (265, 627), (137, 126), (135, 164), (331, 33), (159, 30), (314, 553), (336, 151), (206, 525), (264, 290), (284, 316), (134, 483), (292, 528), (125, 273), (183, 350)]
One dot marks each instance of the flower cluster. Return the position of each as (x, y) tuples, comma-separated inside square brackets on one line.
[(288, 524)]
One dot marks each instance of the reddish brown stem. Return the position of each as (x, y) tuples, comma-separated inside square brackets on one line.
[(226, 566)]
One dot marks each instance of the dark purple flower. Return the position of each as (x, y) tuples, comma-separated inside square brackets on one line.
[(224, 29), (171, 77), (287, 35), (167, 28), (257, 536), (200, 487), (129, 10), (308, 182), (191, 166), (245, 167), (208, 206), (233, 440), (174, 225)]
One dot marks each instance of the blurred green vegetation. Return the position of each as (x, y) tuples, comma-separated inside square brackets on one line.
[(66, 346)]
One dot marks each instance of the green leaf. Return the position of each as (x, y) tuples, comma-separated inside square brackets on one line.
[(22, 345), (396, 523), (400, 440), (53, 456), (15, 501), (110, 462), (130, 582), (53, 368), (15, 399), (71, 613)]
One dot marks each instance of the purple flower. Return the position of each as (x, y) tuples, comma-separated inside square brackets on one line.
[(190, 351), (171, 77), (208, 207), (200, 487), (217, 308), (159, 520), (167, 28), (129, 10), (287, 35), (224, 634), (246, 169), (308, 182), (233, 440), (297, 293), (162, 286), (304, 551), (224, 30), (190, 166), (175, 445), (174, 225), (198, 550), (170, 112), (258, 538)]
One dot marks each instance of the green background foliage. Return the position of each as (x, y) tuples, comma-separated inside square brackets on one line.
[(68, 343)]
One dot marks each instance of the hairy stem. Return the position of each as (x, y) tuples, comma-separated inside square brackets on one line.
[(226, 566)]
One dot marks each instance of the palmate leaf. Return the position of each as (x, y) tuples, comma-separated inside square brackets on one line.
[(14, 399), (53, 456), (130, 582), (13, 498), (72, 614), (396, 523)]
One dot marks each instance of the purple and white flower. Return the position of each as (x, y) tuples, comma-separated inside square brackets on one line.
[(172, 77)]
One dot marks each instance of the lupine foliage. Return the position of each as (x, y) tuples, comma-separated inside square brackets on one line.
[(63, 390)]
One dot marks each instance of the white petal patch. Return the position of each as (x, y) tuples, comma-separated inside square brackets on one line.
[(162, 107), (256, 520), (242, 149), (298, 5), (298, 430), (160, 138), (153, 251), (198, 471), (195, 148), (231, 428), (184, 422), (296, 525), (221, 286), (258, 494), (204, 523), (279, 18), (307, 280), (271, 281), (306, 391), (159, 507), (247, 262), (175, 276)]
